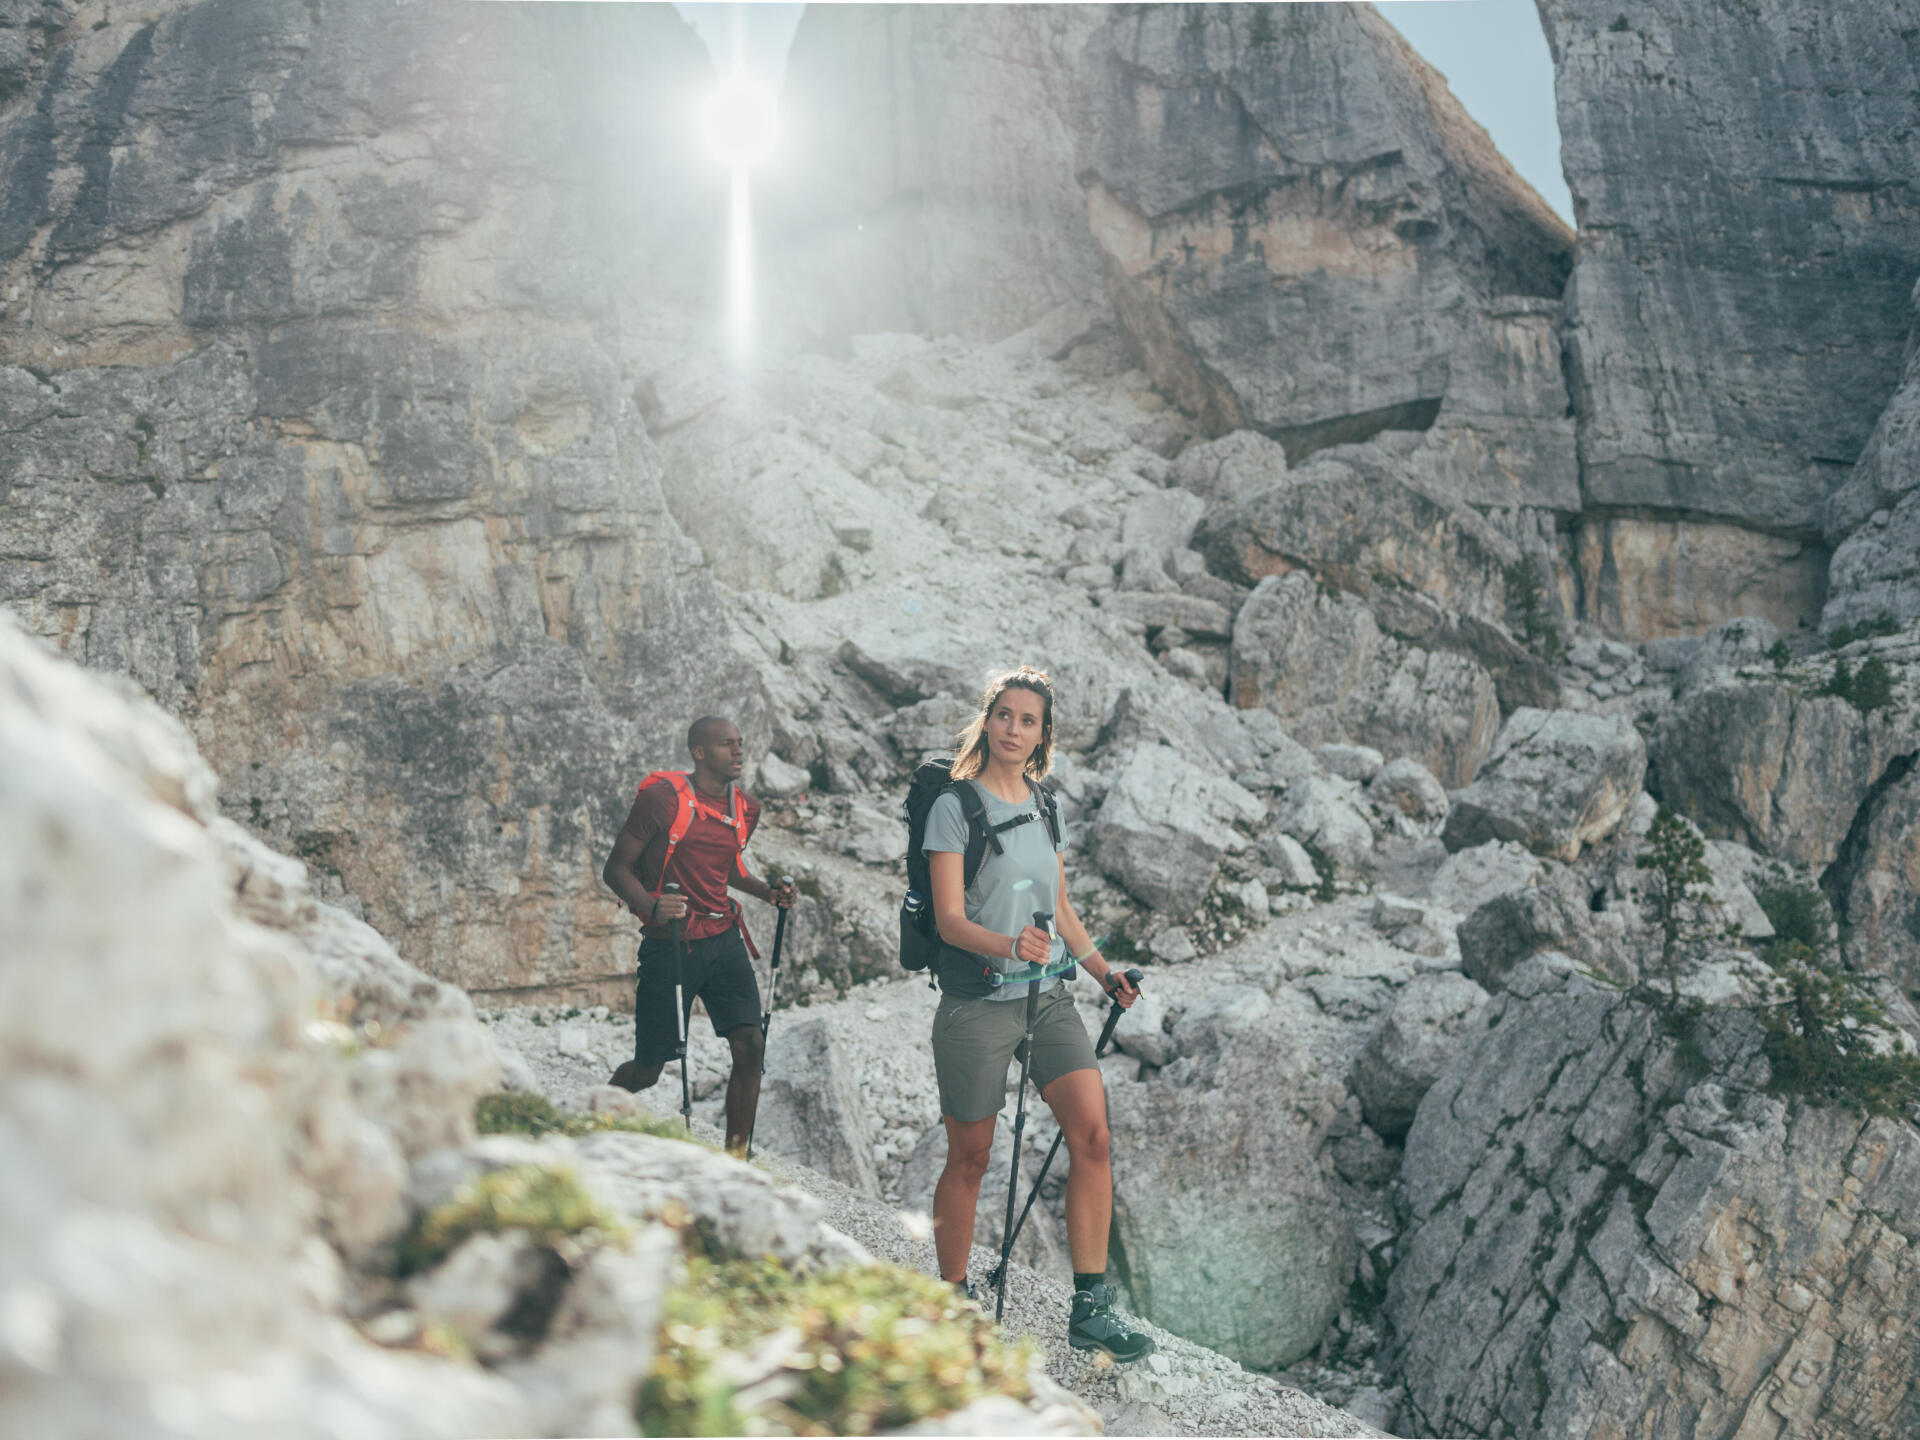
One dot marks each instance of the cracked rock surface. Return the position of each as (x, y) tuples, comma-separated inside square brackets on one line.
[(1614, 1230)]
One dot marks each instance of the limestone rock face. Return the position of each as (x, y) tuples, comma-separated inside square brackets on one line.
[(1324, 665), (1165, 825), (1556, 781), (1736, 313), (1626, 1239), (1880, 880), (1758, 757), (1254, 175), (929, 177), (1874, 519), (331, 438)]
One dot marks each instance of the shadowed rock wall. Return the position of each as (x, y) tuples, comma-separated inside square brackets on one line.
[(1743, 178)]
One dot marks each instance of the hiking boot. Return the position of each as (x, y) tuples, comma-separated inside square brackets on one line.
[(627, 1076), (1093, 1325), (964, 1289)]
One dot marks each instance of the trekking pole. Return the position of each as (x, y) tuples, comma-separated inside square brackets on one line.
[(773, 987), (1044, 919), (1134, 977), (677, 929)]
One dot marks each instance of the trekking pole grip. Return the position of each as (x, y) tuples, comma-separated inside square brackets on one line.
[(1134, 977)]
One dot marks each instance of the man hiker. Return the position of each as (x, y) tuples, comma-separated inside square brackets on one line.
[(690, 830)]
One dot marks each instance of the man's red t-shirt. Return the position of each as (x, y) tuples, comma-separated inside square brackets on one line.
[(703, 861)]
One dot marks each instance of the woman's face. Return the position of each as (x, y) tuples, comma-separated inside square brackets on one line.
[(1016, 725)]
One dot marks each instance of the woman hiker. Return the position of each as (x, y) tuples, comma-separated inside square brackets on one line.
[(978, 1026)]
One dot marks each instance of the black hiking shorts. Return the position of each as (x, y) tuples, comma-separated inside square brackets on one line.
[(718, 972)]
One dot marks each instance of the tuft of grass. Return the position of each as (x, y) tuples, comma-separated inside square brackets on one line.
[(511, 1113), (551, 1204), (869, 1348)]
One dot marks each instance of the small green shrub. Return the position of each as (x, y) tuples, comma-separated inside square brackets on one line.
[(1870, 690), (551, 1204), (1780, 653), (1324, 868), (1262, 33), (1881, 624), (877, 1347), (1799, 914), (1819, 1023), (1529, 598)]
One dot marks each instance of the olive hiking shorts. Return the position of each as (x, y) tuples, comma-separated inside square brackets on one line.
[(975, 1043)]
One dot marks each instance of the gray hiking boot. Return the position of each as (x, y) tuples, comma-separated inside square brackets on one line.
[(964, 1289), (1093, 1325)]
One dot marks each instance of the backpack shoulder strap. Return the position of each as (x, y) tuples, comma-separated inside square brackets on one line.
[(1049, 804), (975, 810), (682, 810)]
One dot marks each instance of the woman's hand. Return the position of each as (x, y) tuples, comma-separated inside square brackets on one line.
[(1114, 982), (1033, 946)]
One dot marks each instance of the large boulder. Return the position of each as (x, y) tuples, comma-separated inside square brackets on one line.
[(1223, 469), (1328, 670), (1226, 195), (1367, 519), (1165, 825), (1557, 781), (1412, 1047), (1230, 1234), (1507, 930), (182, 1094), (1624, 1234), (810, 1106)]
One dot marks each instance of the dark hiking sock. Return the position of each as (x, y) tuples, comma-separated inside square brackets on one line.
[(1088, 1280)]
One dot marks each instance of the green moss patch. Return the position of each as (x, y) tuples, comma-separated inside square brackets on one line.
[(872, 1347), (519, 1114), (550, 1204)]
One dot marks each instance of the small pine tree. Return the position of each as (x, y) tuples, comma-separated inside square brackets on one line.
[(1872, 687), (1677, 856)]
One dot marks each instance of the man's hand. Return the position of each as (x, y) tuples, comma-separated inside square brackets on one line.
[(783, 892), (668, 906)]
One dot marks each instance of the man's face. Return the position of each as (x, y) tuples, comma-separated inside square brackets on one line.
[(724, 752)]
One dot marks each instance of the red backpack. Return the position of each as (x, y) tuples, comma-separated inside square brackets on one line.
[(682, 784)]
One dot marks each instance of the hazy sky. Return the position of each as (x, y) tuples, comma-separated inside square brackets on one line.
[(1491, 51)]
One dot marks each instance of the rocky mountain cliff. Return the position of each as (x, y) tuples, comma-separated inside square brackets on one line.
[(360, 402)]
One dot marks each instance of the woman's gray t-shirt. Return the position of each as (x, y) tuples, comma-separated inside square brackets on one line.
[(1011, 885)]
